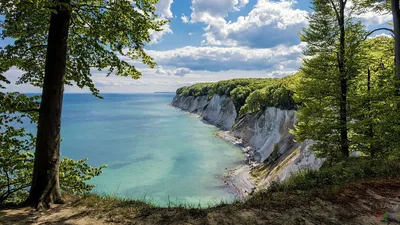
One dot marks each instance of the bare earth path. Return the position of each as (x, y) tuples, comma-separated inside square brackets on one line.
[(368, 202)]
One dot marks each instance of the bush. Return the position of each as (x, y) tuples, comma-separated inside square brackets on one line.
[(339, 174), (16, 153)]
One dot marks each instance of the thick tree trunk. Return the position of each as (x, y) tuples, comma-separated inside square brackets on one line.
[(344, 141), (45, 189), (396, 27)]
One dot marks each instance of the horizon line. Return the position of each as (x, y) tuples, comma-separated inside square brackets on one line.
[(89, 93)]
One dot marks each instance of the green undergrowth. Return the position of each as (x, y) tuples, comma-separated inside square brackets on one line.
[(328, 176), (111, 201)]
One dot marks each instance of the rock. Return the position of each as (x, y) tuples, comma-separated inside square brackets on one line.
[(260, 135)]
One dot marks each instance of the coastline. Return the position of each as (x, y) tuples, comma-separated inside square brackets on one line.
[(238, 178)]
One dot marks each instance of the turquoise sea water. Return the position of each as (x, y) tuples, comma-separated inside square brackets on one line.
[(152, 150)]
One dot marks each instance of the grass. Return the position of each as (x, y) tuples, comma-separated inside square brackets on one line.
[(327, 195), (112, 201), (305, 181), (354, 169)]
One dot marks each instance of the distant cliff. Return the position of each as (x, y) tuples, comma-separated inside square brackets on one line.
[(267, 133)]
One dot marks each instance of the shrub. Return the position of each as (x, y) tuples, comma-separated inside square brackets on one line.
[(16, 153), (341, 173)]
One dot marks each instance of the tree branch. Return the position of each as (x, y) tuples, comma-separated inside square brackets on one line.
[(335, 9), (29, 110), (90, 6), (378, 29), (33, 47)]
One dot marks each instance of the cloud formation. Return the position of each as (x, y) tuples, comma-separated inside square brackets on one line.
[(180, 72), (267, 25), (184, 18), (213, 58), (208, 10), (262, 42), (163, 9)]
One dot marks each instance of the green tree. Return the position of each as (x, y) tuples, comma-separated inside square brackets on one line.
[(16, 156), (333, 46), (376, 121), (57, 42), (239, 96), (392, 6), (16, 163)]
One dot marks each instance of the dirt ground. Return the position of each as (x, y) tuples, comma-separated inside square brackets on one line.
[(367, 202)]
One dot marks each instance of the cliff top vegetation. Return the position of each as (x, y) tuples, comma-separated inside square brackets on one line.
[(248, 94)]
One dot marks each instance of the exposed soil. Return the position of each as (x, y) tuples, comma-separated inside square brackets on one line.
[(367, 202)]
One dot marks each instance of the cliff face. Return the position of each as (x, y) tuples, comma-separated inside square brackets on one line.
[(219, 111), (267, 133)]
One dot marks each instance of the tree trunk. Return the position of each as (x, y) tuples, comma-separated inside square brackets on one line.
[(370, 126), (45, 189), (344, 141), (396, 27)]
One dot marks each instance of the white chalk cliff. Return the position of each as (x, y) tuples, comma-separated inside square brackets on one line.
[(219, 111), (264, 132)]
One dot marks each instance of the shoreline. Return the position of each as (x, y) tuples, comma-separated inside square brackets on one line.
[(238, 178)]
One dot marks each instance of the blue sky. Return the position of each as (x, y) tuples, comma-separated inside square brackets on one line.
[(211, 40)]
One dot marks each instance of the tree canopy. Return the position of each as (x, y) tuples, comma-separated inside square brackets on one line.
[(102, 36), (248, 94), (57, 43)]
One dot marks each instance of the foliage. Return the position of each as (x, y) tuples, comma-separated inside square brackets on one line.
[(276, 96), (239, 95), (195, 90), (103, 35), (74, 174), (16, 156), (248, 94), (376, 121), (324, 82), (339, 174), (373, 123), (16, 163), (376, 5)]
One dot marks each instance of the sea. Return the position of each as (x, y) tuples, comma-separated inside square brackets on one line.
[(153, 151)]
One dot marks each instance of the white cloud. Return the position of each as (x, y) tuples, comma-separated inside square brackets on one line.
[(380, 35), (156, 36), (204, 64), (368, 17), (208, 10), (213, 58), (374, 18), (180, 72), (184, 18), (151, 81), (163, 9), (243, 3), (268, 24)]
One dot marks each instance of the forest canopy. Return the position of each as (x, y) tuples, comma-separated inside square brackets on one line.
[(248, 94)]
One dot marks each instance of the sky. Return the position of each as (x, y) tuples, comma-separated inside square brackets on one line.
[(212, 40)]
